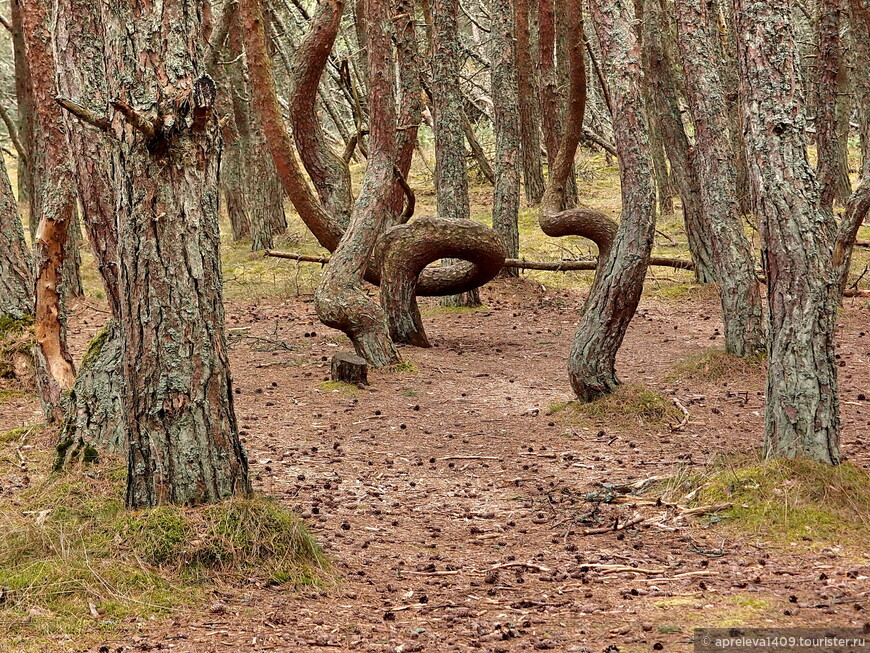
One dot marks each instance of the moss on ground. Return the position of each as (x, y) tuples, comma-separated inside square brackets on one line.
[(338, 386), (783, 501), (74, 560)]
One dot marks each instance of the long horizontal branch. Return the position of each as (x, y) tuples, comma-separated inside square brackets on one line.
[(552, 266)]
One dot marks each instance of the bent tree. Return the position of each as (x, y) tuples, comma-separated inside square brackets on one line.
[(802, 413), (619, 284), (182, 435)]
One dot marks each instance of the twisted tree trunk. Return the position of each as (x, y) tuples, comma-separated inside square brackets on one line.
[(716, 164), (802, 413), (614, 297), (340, 300)]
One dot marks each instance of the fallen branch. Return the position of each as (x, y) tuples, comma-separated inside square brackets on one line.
[(685, 411), (527, 565), (522, 264), (637, 519)]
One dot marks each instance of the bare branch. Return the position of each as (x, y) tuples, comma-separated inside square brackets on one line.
[(139, 122), (13, 134), (83, 114)]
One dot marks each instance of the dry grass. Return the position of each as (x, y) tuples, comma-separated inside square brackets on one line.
[(715, 365), (629, 404)]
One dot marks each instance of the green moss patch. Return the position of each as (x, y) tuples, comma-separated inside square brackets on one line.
[(783, 500), (73, 559)]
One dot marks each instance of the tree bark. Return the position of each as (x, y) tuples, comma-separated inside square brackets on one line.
[(16, 281), (802, 416), (530, 119), (178, 406), (340, 300), (24, 100), (52, 207), (614, 298), (858, 207), (659, 66), (716, 165), (832, 107), (506, 194)]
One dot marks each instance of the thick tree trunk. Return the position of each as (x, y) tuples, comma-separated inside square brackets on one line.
[(614, 298), (16, 281), (715, 163), (94, 417), (566, 24), (506, 194), (832, 107), (530, 118), (802, 416), (178, 407), (340, 300), (52, 207), (663, 87)]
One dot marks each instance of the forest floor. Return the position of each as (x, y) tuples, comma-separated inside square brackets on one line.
[(455, 496)]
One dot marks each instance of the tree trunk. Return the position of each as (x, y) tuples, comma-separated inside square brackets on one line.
[(530, 119), (716, 165), (340, 300), (614, 298), (832, 107), (178, 406), (52, 207), (24, 100), (802, 416), (663, 85), (451, 177), (565, 36), (506, 194), (16, 282), (858, 207), (94, 417)]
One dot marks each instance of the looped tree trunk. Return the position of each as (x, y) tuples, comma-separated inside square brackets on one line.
[(406, 250), (585, 222)]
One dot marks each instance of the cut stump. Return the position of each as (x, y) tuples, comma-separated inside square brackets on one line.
[(350, 368)]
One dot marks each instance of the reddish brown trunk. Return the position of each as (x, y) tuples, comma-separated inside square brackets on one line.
[(530, 119), (52, 207)]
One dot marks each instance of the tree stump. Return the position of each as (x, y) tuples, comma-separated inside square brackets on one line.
[(350, 368)]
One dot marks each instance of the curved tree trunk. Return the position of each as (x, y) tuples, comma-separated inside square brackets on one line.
[(614, 298), (832, 107), (16, 281), (52, 207), (506, 194), (340, 300), (802, 414), (530, 118), (716, 165)]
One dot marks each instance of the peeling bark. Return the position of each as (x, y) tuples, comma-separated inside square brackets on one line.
[(716, 164), (52, 207), (616, 293), (802, 413)]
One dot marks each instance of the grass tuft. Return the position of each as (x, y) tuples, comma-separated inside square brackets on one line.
[(717, 365), (629, 403), (72, 558), (341, 387), (783, 500)]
